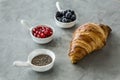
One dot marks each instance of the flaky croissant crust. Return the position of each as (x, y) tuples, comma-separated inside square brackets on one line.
[(87, 38)]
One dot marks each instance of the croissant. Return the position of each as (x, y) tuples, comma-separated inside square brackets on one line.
[(86, 39)]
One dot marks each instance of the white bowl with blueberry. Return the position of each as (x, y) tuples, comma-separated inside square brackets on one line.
[(65, 18), (40, 34)]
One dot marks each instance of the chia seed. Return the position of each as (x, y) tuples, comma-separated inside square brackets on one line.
[(41, 60)]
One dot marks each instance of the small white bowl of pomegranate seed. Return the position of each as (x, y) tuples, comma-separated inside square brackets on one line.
[(42, 34)]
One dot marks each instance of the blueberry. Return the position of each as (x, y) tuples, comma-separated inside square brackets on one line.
[(59, 19), (59, 14), (63, 16), (64, 12), (69, 20), (68, 15), (68, 10), (73, 17), (64, 20), (72, 12)]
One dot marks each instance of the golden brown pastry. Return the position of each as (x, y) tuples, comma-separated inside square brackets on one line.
[(86, 39)]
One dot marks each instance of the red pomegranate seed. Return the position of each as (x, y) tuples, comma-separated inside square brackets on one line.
[(38, 36), (42, 31), (44, 27), (38, 27), (33, 29), (46, 32), (42, 35), (51, 32), (39, 32), (47, 28), (35, 34)]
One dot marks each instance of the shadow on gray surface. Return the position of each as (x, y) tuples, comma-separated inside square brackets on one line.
[(52, 73)]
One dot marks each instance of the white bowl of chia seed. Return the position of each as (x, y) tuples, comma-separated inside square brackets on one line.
[(39, 60)]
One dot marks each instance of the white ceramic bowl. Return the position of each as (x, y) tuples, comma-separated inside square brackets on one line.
[(42, 40), (34, 54), (65, 25)]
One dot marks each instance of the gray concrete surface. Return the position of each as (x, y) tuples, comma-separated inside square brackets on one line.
[(16, 42)]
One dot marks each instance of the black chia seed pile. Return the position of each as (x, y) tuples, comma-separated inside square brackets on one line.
[(41, 60)]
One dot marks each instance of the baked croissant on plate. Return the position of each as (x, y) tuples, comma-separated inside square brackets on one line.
[(86, 39)]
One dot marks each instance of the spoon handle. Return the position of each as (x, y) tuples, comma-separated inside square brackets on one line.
[(25, 23), (21, 64), (58, 6)]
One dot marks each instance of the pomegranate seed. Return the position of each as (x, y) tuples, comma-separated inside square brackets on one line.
[(42, 31), (42, 35), (39, 32), (47, 28), (46, 32), (33, 29), (38, 36), (44, 28), (35, 34), (51, 32)]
